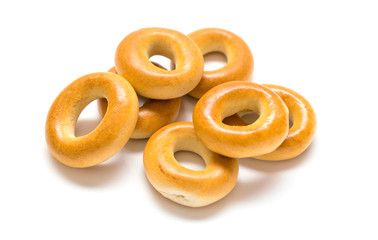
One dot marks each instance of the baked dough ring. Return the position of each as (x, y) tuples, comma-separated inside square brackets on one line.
[(153, 115), (182, 185), (110, 135), (263, 136), (132, 62), (303, 129), (239, 65), (300, 135)]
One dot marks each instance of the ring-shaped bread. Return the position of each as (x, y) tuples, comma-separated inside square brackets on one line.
[(263, 136), (132, 62), (303, 128), (239, 58), (153, 114), (109, 136), (182, 185)]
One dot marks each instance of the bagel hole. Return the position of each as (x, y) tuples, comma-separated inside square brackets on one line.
[(190, 160), (214, 61), (249, 117), (162, 62), (241, 118), (290, 123), (88, 120)]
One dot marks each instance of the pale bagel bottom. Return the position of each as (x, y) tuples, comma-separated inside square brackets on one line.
[(182, 185)]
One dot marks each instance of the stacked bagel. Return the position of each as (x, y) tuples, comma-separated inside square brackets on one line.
[(219, 134)]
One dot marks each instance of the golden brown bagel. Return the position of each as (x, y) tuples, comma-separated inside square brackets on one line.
[(132, 62), (239, 65), (301, 133), (263, 136), (153, 115), (110, 135), (182, 185)]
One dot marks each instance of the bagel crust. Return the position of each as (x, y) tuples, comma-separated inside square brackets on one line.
[(132, 62), (110, 135), (239, 65), (182, 185), (303, 129), (153, 114), (261, 137)]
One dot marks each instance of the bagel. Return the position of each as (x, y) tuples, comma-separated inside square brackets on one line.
[(153, 114), (132, 62), (239, 58), (302, 132), (261, 137), (109, 136), (178, 183)]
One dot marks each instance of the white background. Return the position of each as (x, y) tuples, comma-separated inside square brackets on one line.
[(325, 50)]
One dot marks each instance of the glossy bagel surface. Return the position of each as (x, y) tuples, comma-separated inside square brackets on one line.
[(152, 115), (132, 62), (180, 184), (263, 136), (109, 136), (239, 66)]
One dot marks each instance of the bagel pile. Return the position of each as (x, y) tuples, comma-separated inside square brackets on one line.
[(219, 134)]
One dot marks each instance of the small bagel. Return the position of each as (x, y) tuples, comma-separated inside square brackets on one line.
[(182, 185), (239, 65), (303, 129), (110, 135), (263, 136), (153, 115), (132, 62)]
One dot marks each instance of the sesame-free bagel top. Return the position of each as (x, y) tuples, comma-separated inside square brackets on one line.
[(239, 66), (109, 136), (224, 100), (132, 62)]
